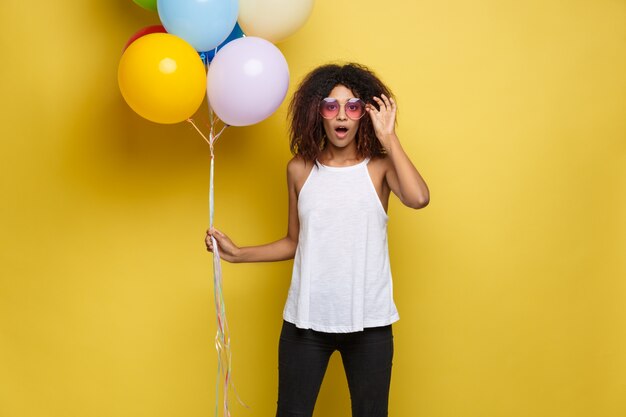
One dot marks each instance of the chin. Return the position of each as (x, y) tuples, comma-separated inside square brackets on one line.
[(341, 143)]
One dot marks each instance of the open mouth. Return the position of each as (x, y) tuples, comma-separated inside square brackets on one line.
[(341, 131)]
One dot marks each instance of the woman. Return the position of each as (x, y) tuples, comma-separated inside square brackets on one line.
[(344, 167)]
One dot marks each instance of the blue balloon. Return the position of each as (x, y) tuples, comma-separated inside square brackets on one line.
[(207, 56), (204, 24)]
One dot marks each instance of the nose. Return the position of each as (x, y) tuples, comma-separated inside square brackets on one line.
[(342, 113)]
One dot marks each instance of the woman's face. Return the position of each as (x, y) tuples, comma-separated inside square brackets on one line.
[(341, 130)]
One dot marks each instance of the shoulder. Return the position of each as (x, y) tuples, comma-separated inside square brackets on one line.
[(381, 171), (298, 169), (298, 164), (380, 164)]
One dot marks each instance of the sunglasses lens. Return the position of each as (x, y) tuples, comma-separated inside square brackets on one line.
[(355, 108), (329, 108)]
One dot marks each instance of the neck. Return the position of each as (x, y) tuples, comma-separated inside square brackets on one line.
[(339, 155)]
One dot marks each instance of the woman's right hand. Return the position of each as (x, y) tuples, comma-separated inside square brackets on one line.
[(228, 251)]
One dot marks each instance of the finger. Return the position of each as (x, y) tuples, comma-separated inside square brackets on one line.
[(381, 103), (374, 117), (386, 99), (218, 239), (393, 106)]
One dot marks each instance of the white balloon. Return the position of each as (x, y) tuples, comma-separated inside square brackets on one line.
[(247, 81), (274, 20)]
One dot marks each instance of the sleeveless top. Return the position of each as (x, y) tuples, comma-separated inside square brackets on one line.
[(341, 280)]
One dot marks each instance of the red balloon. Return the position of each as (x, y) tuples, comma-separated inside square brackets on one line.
[(145, 31)]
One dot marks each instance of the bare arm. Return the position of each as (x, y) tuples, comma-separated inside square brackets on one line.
[(403, 178), (400, 173), (279, 250)]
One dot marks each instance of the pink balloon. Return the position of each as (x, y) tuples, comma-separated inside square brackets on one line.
[(247, 81)]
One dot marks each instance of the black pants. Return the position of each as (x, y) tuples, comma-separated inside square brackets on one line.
[(303, 356)]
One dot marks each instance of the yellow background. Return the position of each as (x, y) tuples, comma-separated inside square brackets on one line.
[(510, 285)]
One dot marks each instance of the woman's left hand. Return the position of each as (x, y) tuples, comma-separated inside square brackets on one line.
[(383, 119)]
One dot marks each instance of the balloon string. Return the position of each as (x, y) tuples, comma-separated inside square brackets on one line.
[(222, 336), (199, 131), (208, 103)]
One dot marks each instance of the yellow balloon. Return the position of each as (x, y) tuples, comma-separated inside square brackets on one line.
[(273, 20), (162, 78)]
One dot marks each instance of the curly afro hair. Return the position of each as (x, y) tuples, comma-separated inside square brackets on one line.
[(307, 135)]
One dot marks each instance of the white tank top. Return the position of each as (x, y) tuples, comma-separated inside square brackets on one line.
[(341, 279)]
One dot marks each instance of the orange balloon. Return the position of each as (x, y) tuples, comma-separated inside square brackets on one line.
[(162, 78)]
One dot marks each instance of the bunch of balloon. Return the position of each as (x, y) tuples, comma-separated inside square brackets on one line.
[(224, 49)]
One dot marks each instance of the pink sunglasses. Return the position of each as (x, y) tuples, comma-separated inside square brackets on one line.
[(354, 108)]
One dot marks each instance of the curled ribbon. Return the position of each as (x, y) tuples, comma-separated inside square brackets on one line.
[(222, 337)]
